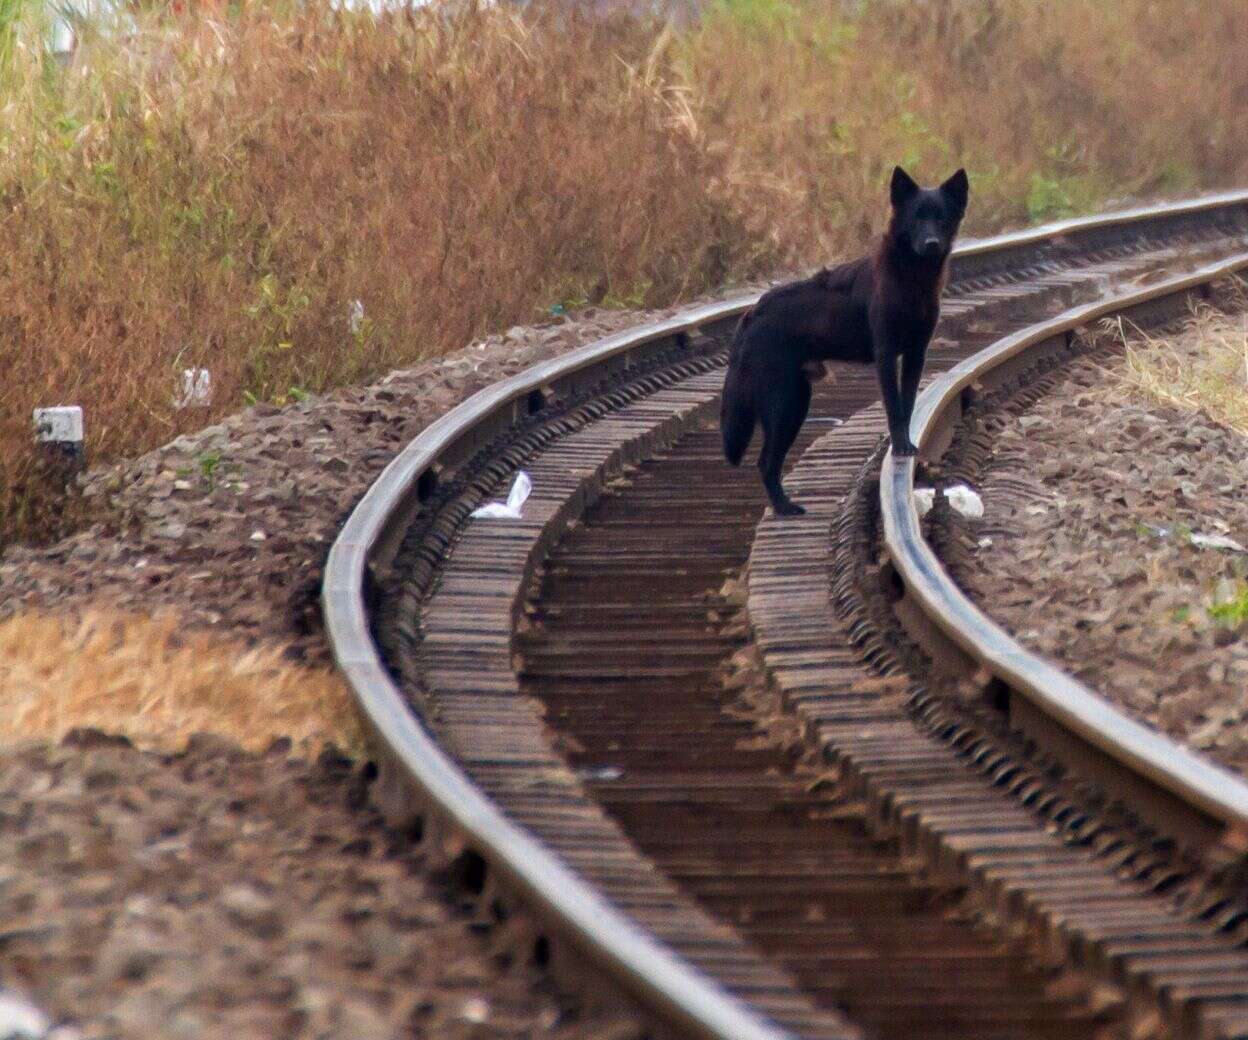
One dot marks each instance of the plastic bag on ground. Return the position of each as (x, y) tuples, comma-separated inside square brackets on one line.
[(521, 487), (966, 501), (1215, 541), (961, 498)]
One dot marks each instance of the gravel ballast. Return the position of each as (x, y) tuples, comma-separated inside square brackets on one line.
[(218, 894), (1097, 502)]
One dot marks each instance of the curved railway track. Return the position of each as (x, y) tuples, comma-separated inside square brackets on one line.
[(812, 796)]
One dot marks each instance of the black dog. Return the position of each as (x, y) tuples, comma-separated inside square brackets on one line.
[(879, 308)]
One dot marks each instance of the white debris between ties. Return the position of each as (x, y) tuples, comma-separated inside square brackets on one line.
[(961, 499), (521, 488)]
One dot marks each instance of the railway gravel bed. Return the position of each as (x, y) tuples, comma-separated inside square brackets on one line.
[(215, 893), (1089, 549)]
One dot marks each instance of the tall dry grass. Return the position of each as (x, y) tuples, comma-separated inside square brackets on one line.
[(151, 681), (1204, 368), (215, 188)]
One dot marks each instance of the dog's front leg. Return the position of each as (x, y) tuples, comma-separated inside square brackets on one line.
[(911, 373), (886, 369)]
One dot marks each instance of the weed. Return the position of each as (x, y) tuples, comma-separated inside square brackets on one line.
[(1203, 369), (1231, 605), (1048, 199), (632, 297), (208, 464)]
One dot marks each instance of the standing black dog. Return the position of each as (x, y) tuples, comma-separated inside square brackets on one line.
[(879, 308)]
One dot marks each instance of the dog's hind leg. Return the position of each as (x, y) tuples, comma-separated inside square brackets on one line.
[(783, 412)]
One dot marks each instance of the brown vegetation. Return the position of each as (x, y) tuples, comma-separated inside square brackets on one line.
[(215, 190), (1203, 370), (148, 680)]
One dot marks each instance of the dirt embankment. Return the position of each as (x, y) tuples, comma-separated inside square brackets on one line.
[(1099, 548)]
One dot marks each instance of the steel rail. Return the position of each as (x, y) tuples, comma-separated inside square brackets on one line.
[(1162, 762), (1113, 219), (368, 541)]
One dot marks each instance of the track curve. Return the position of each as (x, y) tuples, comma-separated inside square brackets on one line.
[(456, 614), (1146, 756)]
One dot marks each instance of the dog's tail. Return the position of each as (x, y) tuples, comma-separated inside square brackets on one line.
[(736, 411), (736, 418)]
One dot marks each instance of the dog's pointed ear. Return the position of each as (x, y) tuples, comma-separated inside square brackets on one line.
[(957, 190), (903, 188)]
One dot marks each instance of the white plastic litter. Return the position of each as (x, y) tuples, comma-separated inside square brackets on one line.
[(601, 773), (196, 389), (19, 1019), (965, 501), (521, 487), (1216, 541), (961, 498), (474, 1010), (355, 316)]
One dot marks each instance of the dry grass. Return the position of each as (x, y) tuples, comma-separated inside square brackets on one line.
[(216, 189), (144, 679), (1203, 369)]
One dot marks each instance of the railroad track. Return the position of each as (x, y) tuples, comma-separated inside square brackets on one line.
[(814, 796)]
